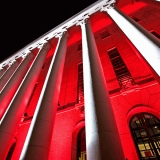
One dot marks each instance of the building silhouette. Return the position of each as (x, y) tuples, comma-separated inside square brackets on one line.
[(87, 89)]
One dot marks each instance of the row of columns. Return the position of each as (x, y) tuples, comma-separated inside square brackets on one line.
[(11, 121), (39, 149), (102, 137), (12, 86)]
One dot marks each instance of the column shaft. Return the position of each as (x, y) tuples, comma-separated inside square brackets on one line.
[(2, 72), (145, 42), (102, 137), (13, 117), (39, 143), (8, 74), (10, 89)]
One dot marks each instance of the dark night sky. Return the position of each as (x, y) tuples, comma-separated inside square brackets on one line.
[(23, 21)]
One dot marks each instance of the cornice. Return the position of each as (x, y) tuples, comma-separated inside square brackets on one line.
[(57, 30)]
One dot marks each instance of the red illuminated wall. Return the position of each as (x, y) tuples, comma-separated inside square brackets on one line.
[(143, 97)]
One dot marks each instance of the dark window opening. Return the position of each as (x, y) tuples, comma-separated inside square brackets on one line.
[(32, 94), (80, 46), (81, 145), (135, 19), (145, 130), (43, 66), (11, 151), (80, 83), (104, 33), (155, 34), (122, 73)]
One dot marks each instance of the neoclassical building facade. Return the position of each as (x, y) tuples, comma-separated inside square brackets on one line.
[(86, 90)]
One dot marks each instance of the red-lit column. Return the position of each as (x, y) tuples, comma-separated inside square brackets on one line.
[(38, 146), (154, 3), (5, 68), (8, 74), (102, 137), (10, 89), (17, 108), (147, 45), (2, 71)]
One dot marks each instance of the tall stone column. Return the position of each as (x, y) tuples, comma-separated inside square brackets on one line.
[(2, 71), (38, 146), (154, 3), (8, 73), (17, 108), (102, 137), (147, 45), (10, 89)]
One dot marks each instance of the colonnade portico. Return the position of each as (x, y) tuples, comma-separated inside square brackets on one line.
[(10, 89), (19, 103), (102, 137)]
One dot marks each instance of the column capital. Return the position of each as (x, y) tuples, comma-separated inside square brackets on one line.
[(82, 20), (25, 54), (41, 44), (61, 32), (108, 5), (46, 44), (5, 66), (11, 62), (19, 59)]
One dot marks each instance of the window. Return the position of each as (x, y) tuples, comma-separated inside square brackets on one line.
[(135, 19), (155, 34), (104, 33), (80, 46), (43, 66), (122, 73), (11, 150), (80, 83), (81, 145), (145, 130)]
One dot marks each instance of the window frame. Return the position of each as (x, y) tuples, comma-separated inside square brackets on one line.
[(143, 133)]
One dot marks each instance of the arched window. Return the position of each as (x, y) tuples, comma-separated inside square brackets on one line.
[(81, 145), (145, 130)]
